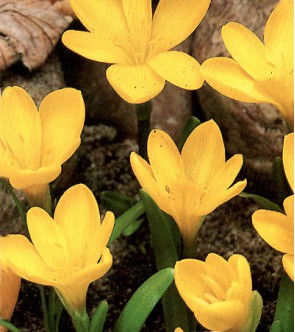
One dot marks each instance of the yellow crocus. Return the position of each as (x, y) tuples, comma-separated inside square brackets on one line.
[(217, 291), (277, 229), (9, 290), (190, 185), (125, 34), (259, 72), (68, 251), (34, 144)]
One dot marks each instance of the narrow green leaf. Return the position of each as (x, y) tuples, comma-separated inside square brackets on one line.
[(143, 301), (9, 326), (116, 202), (285, 307), (166, 254), (126, 219), (133, 227), (190, 125), (282, 187), (255, 312), (263, 202), (99, 317)]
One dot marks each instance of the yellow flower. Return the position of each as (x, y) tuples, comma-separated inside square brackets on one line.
[(34, 144), (217, 291), (67, 252), (277, 229), (9, 289), (125, 33), (288, 158), (258, 72), (190, 185)]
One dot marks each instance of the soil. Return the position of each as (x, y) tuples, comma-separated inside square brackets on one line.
[(102, 163)]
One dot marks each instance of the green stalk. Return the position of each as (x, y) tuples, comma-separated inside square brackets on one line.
[(17, 202), (144, 121), (44, 308)]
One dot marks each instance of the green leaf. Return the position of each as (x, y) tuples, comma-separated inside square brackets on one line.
[(263, 202), (284, 315), (143, 301), (9, 326), (256, 305), (133, 227), (126, 219), (166, 254), (190, 125), (99, 317), (116, 202)]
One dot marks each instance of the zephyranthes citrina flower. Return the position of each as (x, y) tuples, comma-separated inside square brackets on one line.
[(190, 185), (67, 252), (9, 289), (124, 33), (258, 72), (34, 144), (217, 291), (276, 228)]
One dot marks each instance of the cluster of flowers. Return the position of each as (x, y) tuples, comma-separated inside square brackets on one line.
[(69, 249)]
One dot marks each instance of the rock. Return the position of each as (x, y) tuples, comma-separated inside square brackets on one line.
[(255, 130)]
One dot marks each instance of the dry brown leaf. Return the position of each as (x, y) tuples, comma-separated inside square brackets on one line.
[(29, 30)]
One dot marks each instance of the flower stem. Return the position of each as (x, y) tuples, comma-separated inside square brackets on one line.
[(17, 202), (143, 119), (44, 308)]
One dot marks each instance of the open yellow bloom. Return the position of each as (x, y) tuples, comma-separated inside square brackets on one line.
[(67, 252), (277, 229), (123, 32), (258, 72), (9, 289), (34, 144), (190, 185), (217, 291)]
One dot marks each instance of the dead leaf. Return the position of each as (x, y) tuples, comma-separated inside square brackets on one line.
[(29, 30)]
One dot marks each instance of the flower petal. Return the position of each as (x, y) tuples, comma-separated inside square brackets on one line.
[(62, 115), (288, 263), (20, 127), (164, 159), (21, 257), (288, 158), (24, 178), (174, 21), (77, 215), (189, 281), (138, 16), (74, 289), (228, 78), (178, 68), (203, 153), (105, 17), (279, 33), (276, 229), (47, 238), (145, 177), (94, 46), (247, 49), (219, 316), (135, 84)]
